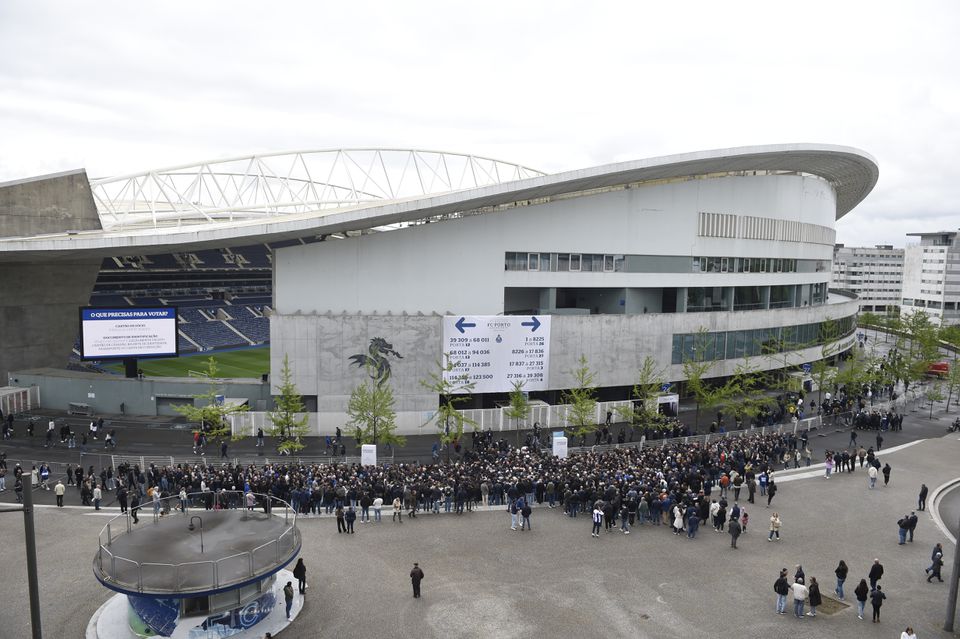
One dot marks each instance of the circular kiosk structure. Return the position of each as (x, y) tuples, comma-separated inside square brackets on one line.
[(200, 572)]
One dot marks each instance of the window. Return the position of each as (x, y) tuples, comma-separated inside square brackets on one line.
[(563, 262), (724, 264), (575, 261), (608, 264), (533, 262)]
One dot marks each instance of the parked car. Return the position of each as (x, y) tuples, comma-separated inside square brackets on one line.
[(939, 369)]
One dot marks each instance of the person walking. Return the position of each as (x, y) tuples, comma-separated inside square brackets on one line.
[(97, 496), (935, 568), (841, 572), (872, 476), (814, 597), (341, 520), (734, 529), (886, 474), (937, 550), (58, 490), (922, 499), (774, 526), (300, 572), (861, 592), (377, 508), (876, 600), (876, 572), (800, 593), (135, 505), (288, 597), (416, 576), (782, 588), (771, 491)]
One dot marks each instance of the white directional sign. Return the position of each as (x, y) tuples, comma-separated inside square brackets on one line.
[(494, 351)]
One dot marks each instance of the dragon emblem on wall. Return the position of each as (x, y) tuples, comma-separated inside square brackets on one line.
[(376, 361)]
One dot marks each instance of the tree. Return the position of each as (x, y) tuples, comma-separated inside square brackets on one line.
[(288, 419), (451, 386), (953, 382), (748, 388), (519, 407), (212, 412), (934, 395), (372, 413), (643, 409), (582, 400), (697, 366)]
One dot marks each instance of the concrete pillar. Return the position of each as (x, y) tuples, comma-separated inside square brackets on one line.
[(548, 299), (765, 297), (682, 299)]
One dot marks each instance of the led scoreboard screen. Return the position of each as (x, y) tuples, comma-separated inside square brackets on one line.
[(121, 333)]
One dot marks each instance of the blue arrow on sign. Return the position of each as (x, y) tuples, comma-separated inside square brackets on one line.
[(462, 323), (807, 368), (664, 388), (535, 324)]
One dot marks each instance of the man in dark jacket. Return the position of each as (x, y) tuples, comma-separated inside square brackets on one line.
[(922, 499), (904, 525), (782, 588), (876, 572), (416, 576), (734, 529), (912, 524), (935, 568)]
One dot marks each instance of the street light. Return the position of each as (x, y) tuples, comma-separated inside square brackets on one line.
[(191, 528)]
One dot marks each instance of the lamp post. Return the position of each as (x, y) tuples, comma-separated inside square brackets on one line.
[(952, 597), (191, 528), (29, 534)]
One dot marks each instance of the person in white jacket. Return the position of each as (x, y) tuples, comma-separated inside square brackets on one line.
[(872, 475), (800, 593)]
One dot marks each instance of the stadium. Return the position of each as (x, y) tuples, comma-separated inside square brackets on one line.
[(339, 259)]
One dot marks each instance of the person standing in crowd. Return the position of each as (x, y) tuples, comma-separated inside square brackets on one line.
[(341, 520), (525, 513), (350, 517), (58, 490), (861, 592), (416, 576), (800, 593), (734, 529), (397, 509), (903, 525), (814, 597), (876, 573), (922, 499), (876, 600), (300, 573), (597, 520), (288, 597), (782, 588), (935, 567), (912, 524), (377, 507), (841, 572), (97, 496), (775, 524)]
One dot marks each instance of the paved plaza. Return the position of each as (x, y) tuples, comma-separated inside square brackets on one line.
[(484, 580)]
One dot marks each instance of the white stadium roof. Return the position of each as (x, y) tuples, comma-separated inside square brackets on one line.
[(264, 198)]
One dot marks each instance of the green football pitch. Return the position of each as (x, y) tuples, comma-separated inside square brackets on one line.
[(252, 362)]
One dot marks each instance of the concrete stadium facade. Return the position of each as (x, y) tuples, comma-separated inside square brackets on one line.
[(629, 260)]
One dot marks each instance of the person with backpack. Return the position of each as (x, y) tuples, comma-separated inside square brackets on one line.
[(935, 568)]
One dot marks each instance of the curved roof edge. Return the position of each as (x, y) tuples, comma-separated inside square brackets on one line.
[(852, 172)]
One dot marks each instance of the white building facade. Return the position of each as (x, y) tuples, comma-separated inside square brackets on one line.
[(874, 274), (931, 277), (630, 268)]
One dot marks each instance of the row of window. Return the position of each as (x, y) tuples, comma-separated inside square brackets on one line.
[(573, 262), (617, 263), (750, 265), (760, 341)]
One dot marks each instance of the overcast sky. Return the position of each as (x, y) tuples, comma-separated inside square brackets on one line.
[(127, 86)]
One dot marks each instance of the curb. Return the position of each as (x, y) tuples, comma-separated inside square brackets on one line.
[(938, 493)]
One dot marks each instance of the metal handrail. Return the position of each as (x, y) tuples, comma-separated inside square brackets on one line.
[(111, 575)]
